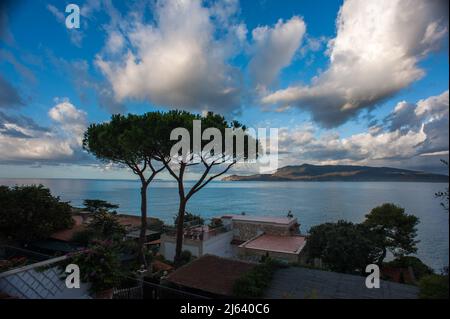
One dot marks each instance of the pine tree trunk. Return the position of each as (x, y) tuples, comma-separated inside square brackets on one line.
[(143, 223), (180, 229)]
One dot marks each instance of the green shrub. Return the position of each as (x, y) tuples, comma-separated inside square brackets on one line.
[(253, 283), (99, 265), (434, 287), (29, 213)]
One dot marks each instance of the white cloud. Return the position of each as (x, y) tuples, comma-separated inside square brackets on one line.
[(71, 120), (412, 131), (176, 61), (274, 48), (115, 42), (373, 56), (30, 142)]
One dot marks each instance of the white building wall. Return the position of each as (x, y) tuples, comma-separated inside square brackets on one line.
[(219, 245), (168, 249)]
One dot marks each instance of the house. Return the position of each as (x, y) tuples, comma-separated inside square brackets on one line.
[(199, 241), (242, 237), (257, 236), (209, 276)]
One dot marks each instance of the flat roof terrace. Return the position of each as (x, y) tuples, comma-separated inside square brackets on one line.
[(262, 219), (282, 244)]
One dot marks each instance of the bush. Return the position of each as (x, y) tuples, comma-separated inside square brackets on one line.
[(31, 213), (185, 257), (100, 266), (190, 218), (434, 287), (83, 237), (253, 283), (342, 246)]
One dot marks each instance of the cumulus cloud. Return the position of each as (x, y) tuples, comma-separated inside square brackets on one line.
[(176, 61), (412, 132), (22, 140), (374, 55), (274, 48), (431, 113)]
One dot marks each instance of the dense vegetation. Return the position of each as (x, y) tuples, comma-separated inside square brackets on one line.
[(434, 286), (342, 246), (100, 265), (96, 205), (30, 213), (104, 225), (253, 283), (348, 247), (191, 219)]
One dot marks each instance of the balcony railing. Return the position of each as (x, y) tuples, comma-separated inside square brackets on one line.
[(198, 232)]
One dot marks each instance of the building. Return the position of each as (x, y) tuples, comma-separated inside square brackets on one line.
[(241, 236), (199, 241)]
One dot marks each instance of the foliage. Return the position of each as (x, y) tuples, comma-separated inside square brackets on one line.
[(191, 218), (130, 141), (30, 213), (185, 257), (99, 265), (253, 283), (419, 268), (393, 230), (210, 161), (95, 205), (216, 223), (84, 237), (105, 225), (443, 194), (342, 246), (434, 287)]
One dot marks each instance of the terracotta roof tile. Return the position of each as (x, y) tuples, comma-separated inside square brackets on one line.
[(211, 274)]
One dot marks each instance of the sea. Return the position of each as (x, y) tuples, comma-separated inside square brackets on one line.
[(312, 203)]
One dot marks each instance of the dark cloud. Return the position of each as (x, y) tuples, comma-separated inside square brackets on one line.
[(9, 96)]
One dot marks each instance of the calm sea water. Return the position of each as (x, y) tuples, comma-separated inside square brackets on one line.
[(311, 202)]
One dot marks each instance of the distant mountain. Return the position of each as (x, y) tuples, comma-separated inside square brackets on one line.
[(307, 172)]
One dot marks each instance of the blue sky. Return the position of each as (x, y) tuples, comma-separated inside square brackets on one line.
[(345, 82)]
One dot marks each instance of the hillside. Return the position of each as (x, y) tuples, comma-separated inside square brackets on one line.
[(307, 172)]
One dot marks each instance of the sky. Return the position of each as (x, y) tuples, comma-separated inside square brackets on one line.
[(345, 82)]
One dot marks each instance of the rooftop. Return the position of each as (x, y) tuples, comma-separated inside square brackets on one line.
[(211, 274), (299, 283), (262, 219), (285, 244)]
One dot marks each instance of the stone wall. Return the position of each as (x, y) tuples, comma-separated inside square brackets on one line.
[(256, 255), (247, 230)]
